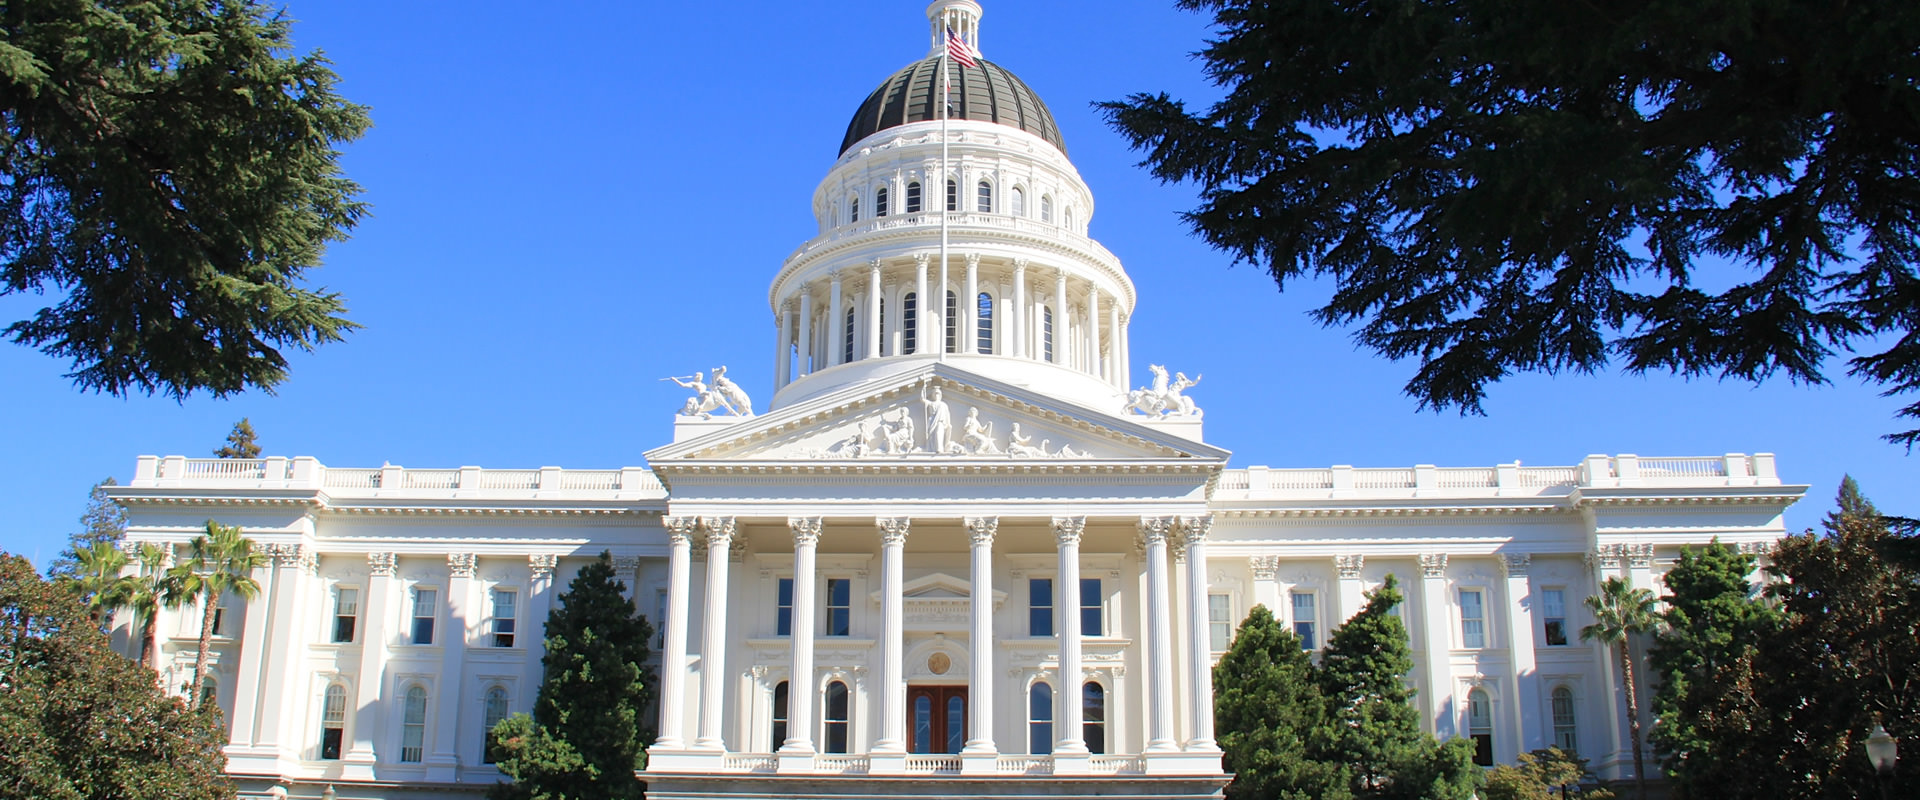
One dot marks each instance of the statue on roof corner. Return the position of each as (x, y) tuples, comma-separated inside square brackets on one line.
[(1164, 398), (724, 394)]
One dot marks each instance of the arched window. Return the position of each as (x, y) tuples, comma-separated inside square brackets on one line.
[(913, 197), (984, 203), (846, 345), (1040, 719), (413, 726), (209, 690), (909, 325), (1046, 208), (1480, 727), (1069, 219), (953, 195), (983, 312), (1046, 333), (1093, 715), (853, 210), (333, 722), (492, 712), (1017, 202), (837, 718), (880, 202), (779, 734), (1563, 720), (953, 322)]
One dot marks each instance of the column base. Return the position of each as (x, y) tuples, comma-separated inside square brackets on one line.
[(357, 765), (1178, 763), (710, 746), (796, 760), (1078, 763), (980, 762), (887, 763), (1162, 746), (678, 759)]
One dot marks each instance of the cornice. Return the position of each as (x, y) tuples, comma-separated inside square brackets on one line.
[(942, 467), (1324, 512), (1774, 495), (307, 501), (487, 511)]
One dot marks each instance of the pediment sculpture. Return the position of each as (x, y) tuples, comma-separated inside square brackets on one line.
[(723, 395), (1165, 397)]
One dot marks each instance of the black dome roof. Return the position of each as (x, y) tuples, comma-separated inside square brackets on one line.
[(986, 93)]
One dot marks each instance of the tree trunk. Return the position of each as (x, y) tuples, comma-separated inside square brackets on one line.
[(1633, 720), (147, 637), (206, 642)]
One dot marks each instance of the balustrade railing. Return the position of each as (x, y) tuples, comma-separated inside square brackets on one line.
[(1683, 467), (430, 479), (1383, 479), (933, 765), (352, 479), (1596, 471), (306, 472), (750, 762), (1114, 765), (841, 763), (1023, 765), (510, 479), (1468, 478)]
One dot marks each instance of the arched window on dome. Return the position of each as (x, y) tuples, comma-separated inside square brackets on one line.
[(846, 344), (984, 201), (1046, 333), (492, 712), (1069, 220), (1017, 202), (838, 721), (983, 314), (913, 197), (413, 725), (1046, 208), (1564, 723), (1040, 719), (953, 322), (1480, 727), (909, 325), (953, 195), (853, 210), (880, 202)]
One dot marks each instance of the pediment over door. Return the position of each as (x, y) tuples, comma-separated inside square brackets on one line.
[(938, 602)]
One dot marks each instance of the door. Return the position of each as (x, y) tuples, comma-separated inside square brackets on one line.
[(936, 719)]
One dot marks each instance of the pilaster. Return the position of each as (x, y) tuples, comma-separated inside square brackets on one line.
[(444, 762), (1435, 615), (1525, 715), (368, 708)]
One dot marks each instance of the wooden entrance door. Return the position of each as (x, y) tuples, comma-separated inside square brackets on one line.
[(936, 719)]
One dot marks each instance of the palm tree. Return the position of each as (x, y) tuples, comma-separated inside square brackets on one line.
[(219, 562), (153, 588), (101, 583), (1619, 611)]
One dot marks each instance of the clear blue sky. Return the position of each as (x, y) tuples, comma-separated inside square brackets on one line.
[(573, 200)]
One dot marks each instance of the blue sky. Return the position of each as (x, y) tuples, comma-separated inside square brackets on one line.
[(571, 201)]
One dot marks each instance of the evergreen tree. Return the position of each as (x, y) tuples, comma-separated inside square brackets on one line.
[(240, 442), (171, 174), (104, 521), (1550, 774), (1376, 730), (1714, 620), (1493, 187), (78, 721), (585, 739), (1271, 718)]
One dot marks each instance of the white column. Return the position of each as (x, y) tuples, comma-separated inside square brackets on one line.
[(445, 704), (1126, 354), (713, 639), (540, 603), (1112, 359), (293, 566), (1525, 715), (673, 662), (1437, 698), (836, 322), (1160, 733), (980, 697), (1017, 320), (1196, 529), (1352, 590), (893, 633), (797, 752), (1068, 736), (367, 722), (873, 308), (783, 353), (923, 307), (970, 307), (805, 362), (256, 642)]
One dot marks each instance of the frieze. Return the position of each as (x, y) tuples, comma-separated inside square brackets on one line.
[(1265, 568), (461, 565), (380, 564), (1433, 565), (1349, 566), (542, 564), (1516, 565)]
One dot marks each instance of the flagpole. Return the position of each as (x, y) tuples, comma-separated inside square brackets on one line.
[(946, 98)]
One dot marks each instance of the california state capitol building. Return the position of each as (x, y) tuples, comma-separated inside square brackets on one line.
[(962, 547)]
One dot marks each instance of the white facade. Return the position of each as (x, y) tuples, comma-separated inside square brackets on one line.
[(876, 587)]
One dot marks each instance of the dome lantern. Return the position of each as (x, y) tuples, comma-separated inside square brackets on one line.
[(960, 16)]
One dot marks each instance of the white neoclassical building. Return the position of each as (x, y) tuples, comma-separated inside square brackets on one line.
[(958, 553)]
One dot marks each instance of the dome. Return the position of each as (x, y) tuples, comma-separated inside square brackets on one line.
[(984, 93)]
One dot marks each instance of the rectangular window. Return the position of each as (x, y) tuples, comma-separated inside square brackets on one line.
[(1473, 619), (504, 619), (424, 603), (1219, 622), (1304, 617), (1553, 608), (783, 616), (346, 611), (220, 620), (333, 722), (659, 620), (1091, 606), (1040, 607), (839, 607)]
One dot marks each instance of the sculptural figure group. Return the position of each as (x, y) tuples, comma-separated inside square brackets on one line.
[(893, 433), (1165, 398), (723, 395)]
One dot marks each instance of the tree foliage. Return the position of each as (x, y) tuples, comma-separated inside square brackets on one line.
[(586, 737), (1725, 188), (1550, 774), (104, 521), (168, 172), (1345, 728), (1621, 612), (80, 722), (240, 442), (219, 563)]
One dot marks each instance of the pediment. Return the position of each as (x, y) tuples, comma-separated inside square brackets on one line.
[(937, 414)]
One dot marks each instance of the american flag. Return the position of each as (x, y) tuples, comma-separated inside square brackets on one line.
[(959, 51)]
